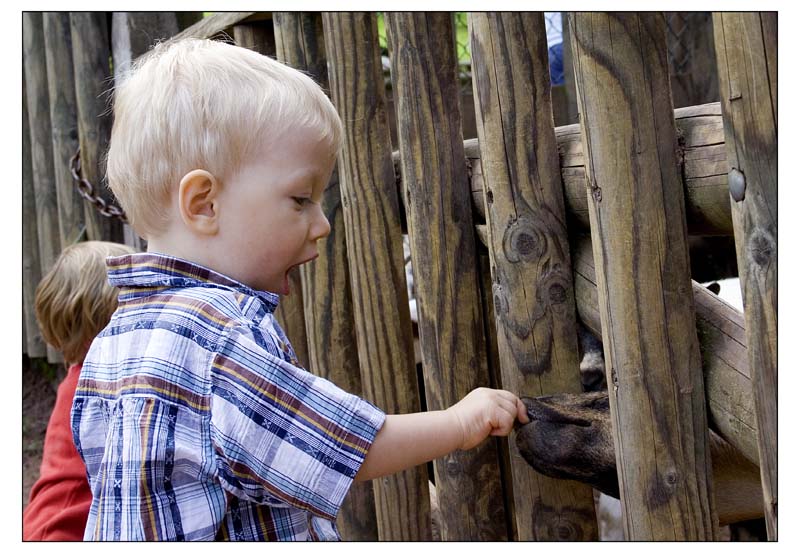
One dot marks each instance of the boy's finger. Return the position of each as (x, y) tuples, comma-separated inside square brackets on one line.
[(522, 412)]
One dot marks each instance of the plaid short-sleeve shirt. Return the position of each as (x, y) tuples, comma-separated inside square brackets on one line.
[(196, 422)]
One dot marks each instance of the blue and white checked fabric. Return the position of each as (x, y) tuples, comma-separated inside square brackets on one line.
[(196, 422)]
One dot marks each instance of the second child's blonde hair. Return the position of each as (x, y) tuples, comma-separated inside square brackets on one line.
[(74, 300), (202, 104)]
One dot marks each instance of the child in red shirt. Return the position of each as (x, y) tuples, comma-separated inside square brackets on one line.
[(73, 303)]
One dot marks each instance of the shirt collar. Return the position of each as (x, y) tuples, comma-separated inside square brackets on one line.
[(141, 274)]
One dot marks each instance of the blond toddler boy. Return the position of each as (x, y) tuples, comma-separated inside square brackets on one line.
[(192, 414)]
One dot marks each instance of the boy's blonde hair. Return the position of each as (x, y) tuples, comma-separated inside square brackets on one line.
[(74, 300), (202, 104)]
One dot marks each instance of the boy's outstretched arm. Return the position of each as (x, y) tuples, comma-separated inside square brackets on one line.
[(405, 441)]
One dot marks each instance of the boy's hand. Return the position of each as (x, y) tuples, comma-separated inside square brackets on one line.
[(487, 412)]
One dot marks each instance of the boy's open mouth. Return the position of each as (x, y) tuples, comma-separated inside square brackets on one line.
[(285, 290)]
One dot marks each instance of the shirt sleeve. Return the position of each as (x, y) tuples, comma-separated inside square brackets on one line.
[(282, 436)]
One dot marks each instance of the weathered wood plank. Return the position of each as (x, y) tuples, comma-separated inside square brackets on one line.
[(569, 72), (747, 50), (693, 70), (454, 359), (133, 34), (213, 24), (720, 331), (31, 271), (90, 56), (493, 358), (529, 252), (41, 147), (375, 256), (259, 37), (701, 142), (705, 182), (637, 216), (64, 124), (327, 299)]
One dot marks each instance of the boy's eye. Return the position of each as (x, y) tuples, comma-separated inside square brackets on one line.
[(300, 200)]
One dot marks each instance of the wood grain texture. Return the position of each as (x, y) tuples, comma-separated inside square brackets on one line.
[(212, 25), (747, 56), (41, 147), (531, 273), (693, 69), (64, 124), (375, 257), (701, 143), (31, 270), (454, 359), (638, 221), (493, 358), (327, 299), (35, 69), (133, 34), (258, 36), (90, 56), (720, 331)]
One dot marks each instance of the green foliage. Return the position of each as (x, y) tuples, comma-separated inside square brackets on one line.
[(462, 36)]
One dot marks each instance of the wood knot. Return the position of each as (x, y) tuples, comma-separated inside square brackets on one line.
[(561, 524), (557, 294), (500, 299), (522, 241), (662, 488), (761, 247)]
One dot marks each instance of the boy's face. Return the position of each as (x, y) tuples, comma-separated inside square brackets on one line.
[(271, 218)]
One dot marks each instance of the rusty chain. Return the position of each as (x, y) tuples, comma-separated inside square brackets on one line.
[(88, 193)]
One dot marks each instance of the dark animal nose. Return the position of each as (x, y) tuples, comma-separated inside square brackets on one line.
[(544, 412)]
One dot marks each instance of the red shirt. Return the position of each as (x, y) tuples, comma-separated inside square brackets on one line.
[(60, 498)]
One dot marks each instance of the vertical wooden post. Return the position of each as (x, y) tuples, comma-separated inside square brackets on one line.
[(91, 53), (258, 36), (31, 271), (439, 211), (569, 72), (693, 69), (496, 378), (637, 217), (747, 58), (64, 124), (327, 301), (375, 256), (531, 273), (133, 34), (35, 69)]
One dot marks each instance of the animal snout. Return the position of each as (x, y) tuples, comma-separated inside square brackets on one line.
[(542, 412)]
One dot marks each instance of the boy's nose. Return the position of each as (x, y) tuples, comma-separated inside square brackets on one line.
[(322, 227)]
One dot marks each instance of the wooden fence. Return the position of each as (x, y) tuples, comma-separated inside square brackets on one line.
[(517, 227)]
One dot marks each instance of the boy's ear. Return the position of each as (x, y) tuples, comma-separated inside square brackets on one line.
[(198, 201)]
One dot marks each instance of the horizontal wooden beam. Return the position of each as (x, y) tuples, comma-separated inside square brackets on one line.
[(217, 23), (705, 172), (720, 331), (213, 24)]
